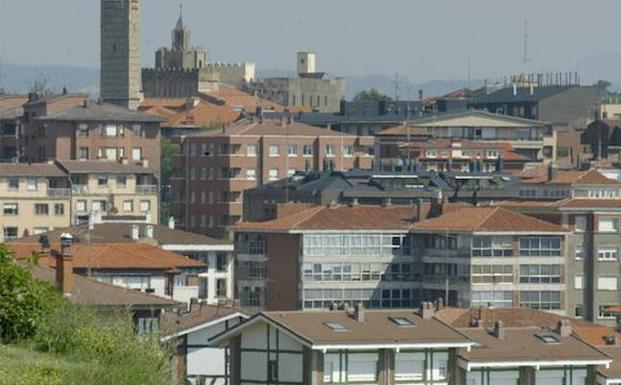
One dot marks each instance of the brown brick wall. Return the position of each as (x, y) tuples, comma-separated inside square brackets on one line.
[(282, 272)]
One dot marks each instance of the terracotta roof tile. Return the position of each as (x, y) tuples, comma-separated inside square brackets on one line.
[(169, 103), (590, 203), (491, 219), (511, 317), (246, 101), (173, 322), (272, 128), (202, 115), (539, 175), (33, 169)]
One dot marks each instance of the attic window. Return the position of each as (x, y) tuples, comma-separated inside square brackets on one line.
[(337, 327), (402, 321), (548, 339)]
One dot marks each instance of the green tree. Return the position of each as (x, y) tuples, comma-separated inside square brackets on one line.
[(23, 300), (370, 96), (603, 84), (41, 86)]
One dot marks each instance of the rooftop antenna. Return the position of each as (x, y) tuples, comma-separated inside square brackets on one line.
[(469, 70), (397, 85), (525, 59)]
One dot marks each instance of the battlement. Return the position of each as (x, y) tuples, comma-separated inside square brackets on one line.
[(240, 65)]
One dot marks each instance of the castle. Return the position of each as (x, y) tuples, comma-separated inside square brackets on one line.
[(183, 70)]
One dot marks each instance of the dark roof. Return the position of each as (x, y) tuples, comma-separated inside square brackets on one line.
[(33, 169), (505, 95), (90, 292), (175, 323), (96, 112), (120, 233), (111, 167)]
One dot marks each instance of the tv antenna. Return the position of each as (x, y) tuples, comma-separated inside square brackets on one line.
[(525, 59)]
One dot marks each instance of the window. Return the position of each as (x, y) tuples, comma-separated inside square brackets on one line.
[(548, 338), (221, 262), (485, 246), (82, 129), (273, 150), (492, 274), (203, 173), (80, 206), (607, 282), (39, 230), (11, 209), (540, 246), (580, 223), (498, 299), (41, 208), (292, 151), (579, 252), (192, 173), (431, 154), (307, 150), (544, 300), (83, 153), (578, 282), (137, 153), (10, 232), (111, 130), (579, 311), (336, 327), (273, 174), (13, 184), (31, 184), (251, 150), (608, 225), (137, 129), (145, 206), (221, 288), (148, 325), (272, 371), (607, 253), (540, 273), (362, 367), (409, 366), (330, 151), (402, 321), (604, 313), (102, 181), (99, 206), (121, 181), (251, 174), (290, 172), (59, 209), (348, 150), (128, 206)]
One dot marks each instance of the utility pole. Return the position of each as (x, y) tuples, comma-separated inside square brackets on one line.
[(525, 59)]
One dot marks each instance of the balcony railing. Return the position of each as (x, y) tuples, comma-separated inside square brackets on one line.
[(146, 189), (58, 192), (79, 189)]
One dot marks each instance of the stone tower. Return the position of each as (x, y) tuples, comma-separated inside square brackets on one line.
[(306, 62), (180, 36), (120, 52)]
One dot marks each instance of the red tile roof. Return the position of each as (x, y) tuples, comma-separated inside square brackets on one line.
[(246, 101), (270, 127), (490, 219), (571, 177), (202, 115)]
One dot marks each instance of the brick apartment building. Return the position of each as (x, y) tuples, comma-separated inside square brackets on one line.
[(217, 166), (72, 127), (11, 113)]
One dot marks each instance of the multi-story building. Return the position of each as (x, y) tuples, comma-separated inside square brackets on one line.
[(34, 198), (218, 165), (91, 131), (39, 197), (550, 183), (11, 113), (525, 136), (603, 138), (480, 256), (308, 88), (324, 255), (215, 283)]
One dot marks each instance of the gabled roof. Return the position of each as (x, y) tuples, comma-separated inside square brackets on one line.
[(173, 324), (339, 217), (474, 118), (202, 115), (271, 128), (486, 219), (378, 329), (241, 99), (593, 204), (539, 175), (120, 233), (115, 256), (104, 167), (96, 112), (87, 291), (32, 169)]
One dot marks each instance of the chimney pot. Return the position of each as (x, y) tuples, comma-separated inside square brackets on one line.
[(426, 310), (563, 328)]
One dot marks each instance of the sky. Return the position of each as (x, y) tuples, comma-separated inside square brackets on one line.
[(420, 40)]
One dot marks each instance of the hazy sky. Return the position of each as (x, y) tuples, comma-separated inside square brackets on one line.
[(422, 40)]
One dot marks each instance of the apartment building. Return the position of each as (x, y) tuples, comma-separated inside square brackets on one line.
[(218, 165), (343, 347), (491, 256), (39, 197), (112, 188), (74, 128), (11, 113), (547, 182), (215, 283), (325, 255), (34, 197)]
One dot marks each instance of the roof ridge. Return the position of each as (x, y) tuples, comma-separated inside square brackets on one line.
[(488, 216), (312, 211)]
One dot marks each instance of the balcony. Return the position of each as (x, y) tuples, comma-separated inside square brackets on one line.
[(146, 189), (58, 192), (79, 189)]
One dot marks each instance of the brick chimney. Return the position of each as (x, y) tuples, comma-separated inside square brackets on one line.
[(563, 328), (64, 265), (426, 310), (499, 330)]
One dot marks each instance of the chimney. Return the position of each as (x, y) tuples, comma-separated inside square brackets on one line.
[(426, 310), (194, 305), (354, 202), (514, 89), (171, 223), (148, 231), (348, 309), (532, 89), (85, 103), (563, 328), (610, 339), (359, 313), (64, 265), (134, 232), (439, 304), (552, 172), (387, 202), (499, 330), (420, 94)]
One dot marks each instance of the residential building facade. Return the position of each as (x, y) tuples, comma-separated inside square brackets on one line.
[(218, 165), (11, 113)]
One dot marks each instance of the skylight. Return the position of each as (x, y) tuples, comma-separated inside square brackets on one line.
[(402, 321), (337, 327), (548, 339)]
